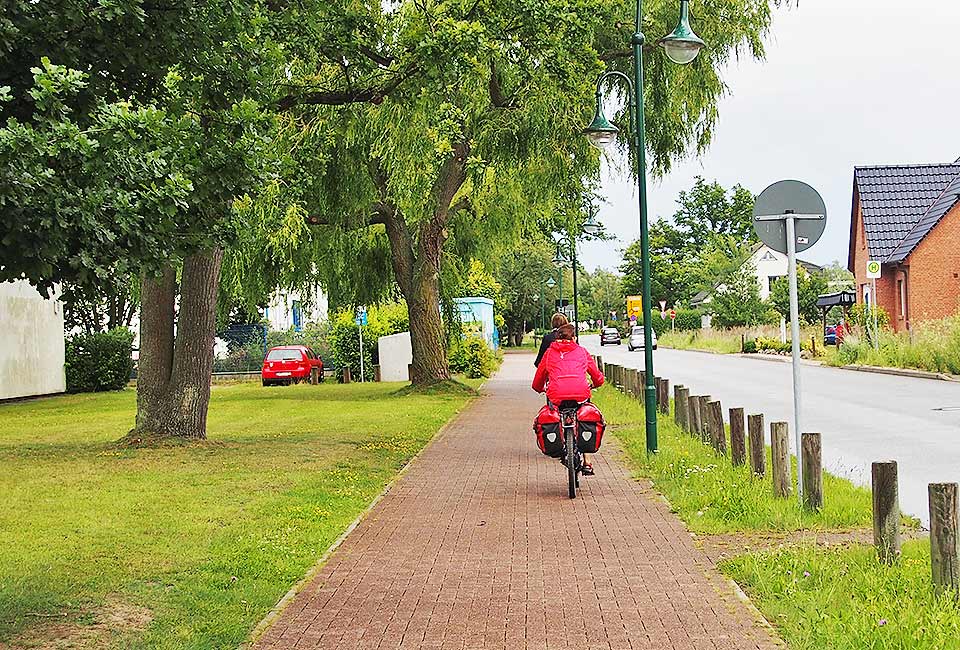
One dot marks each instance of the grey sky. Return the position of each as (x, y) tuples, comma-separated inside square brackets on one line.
[(845, 83)]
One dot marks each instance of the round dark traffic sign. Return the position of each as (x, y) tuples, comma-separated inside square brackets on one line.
[(789, 197)]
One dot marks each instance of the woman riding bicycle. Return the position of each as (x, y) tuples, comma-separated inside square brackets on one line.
[(566, 365)]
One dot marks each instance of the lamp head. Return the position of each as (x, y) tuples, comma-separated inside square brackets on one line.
[(682, 45), (601, 133), (591, 226)]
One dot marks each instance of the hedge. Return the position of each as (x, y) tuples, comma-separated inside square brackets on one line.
[(100, 361)]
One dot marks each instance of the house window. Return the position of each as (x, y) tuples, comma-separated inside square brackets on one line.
[(770, 279), (903, 298)]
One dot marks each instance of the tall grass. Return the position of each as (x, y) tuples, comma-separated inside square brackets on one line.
[(844, 599), (931, 345), (713, 496), (728, 341)]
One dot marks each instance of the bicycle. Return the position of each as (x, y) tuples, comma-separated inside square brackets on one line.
[(572, 458)]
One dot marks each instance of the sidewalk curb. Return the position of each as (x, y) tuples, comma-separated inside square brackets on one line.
[(312, 572), (878, 370)]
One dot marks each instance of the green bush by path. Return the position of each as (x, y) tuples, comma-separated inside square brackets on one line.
[(207, 537), (843, 599), (711, 495), (471, 357), (98, 362)]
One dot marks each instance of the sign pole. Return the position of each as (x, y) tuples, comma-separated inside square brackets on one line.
[(795, 342), (360, 329), (874, 306)]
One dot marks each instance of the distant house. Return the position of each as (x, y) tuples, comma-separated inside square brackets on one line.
[(290, 310), (768, 265), (907, 218), (32, 345)]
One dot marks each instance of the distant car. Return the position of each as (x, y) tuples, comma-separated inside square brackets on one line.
[(636, 339), (609, 335), (830, 335), (289, 364)]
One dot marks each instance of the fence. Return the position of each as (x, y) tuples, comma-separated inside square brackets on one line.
[(701, 417)]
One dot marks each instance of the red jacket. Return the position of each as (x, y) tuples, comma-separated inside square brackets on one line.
[(566, 365)]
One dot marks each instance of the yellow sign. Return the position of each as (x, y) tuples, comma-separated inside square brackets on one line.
[(634, 306)]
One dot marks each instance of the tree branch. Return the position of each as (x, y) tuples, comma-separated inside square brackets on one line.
[(373, 94)]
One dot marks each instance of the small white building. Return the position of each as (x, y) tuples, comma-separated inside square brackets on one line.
[(768, 265), (32, 345)]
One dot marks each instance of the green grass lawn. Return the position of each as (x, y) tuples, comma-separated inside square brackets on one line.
[(843, 599), (713, 496), (207, 537)]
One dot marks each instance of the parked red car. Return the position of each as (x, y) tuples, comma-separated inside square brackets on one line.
[(288, 364)]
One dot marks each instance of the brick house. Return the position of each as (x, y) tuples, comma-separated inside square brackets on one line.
[(908, 218)]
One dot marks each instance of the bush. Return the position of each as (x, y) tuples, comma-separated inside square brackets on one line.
[(100, 361), (343, 340), (472, 357)]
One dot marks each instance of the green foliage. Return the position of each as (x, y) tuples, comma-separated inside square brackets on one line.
[(842, 598), (99, 361), (768, 344), (231, 525), (737, 303), (472, 357), (708, 210), (709, 493), (673, 268), (522, 272), (343, 337), (809, 287), (862, 316)]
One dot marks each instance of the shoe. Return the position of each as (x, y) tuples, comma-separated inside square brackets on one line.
[(587, 469)]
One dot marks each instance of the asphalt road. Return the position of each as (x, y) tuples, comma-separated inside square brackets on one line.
[(863, 417)]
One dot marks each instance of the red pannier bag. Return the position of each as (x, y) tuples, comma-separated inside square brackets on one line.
[(549, 433), (590, 427)]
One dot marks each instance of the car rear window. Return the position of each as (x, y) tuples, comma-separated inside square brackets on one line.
[(284, 355), (638, 330), (610, 330)]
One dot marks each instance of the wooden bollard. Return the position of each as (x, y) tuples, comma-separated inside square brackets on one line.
[(780, 458), (680, 407), (718, 437), (758, 451), (664, 402), (704, 431), (635, 387), (377, 377), (738, 443), (599, 361), (886, 511), (314, 376), (811, 457), (346, 374), (693, 413), (944, 556)]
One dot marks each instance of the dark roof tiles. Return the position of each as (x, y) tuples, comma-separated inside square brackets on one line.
[(897, 203)]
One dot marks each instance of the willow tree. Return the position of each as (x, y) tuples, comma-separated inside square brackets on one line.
[(131, 129), (450, 123)]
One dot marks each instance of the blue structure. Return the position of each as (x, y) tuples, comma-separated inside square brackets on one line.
[(476, 318)]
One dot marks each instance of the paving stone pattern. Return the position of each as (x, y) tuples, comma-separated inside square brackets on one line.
[(478, 546)]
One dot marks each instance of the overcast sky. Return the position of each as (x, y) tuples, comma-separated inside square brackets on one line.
[(845, 83)]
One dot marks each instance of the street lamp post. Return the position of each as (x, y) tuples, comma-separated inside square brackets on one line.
[(681, 46)]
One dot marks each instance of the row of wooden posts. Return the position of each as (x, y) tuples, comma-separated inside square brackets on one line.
[(702, 417)]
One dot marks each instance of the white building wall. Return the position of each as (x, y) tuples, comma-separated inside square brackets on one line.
[(395, 357), (280, 312), (31, 342), (768, 263)]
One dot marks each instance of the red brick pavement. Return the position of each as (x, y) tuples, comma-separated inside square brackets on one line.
[(478, 546)]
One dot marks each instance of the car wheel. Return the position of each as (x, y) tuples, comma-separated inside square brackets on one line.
[(654, 346), (265, 382)]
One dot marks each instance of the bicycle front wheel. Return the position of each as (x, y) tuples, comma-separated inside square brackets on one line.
[(571, 463)]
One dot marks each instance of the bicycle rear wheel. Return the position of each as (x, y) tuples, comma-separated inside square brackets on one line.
[(571, 463)]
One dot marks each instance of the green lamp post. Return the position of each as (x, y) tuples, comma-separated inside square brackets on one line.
[(681, 46)]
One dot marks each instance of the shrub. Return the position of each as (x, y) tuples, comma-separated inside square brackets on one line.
[(472, 358), (99, 361), (343, 340)]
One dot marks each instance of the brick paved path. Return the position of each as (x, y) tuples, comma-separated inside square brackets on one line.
[(478, 546)]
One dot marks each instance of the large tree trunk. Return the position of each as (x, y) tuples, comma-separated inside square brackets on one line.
[(173, 384)]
